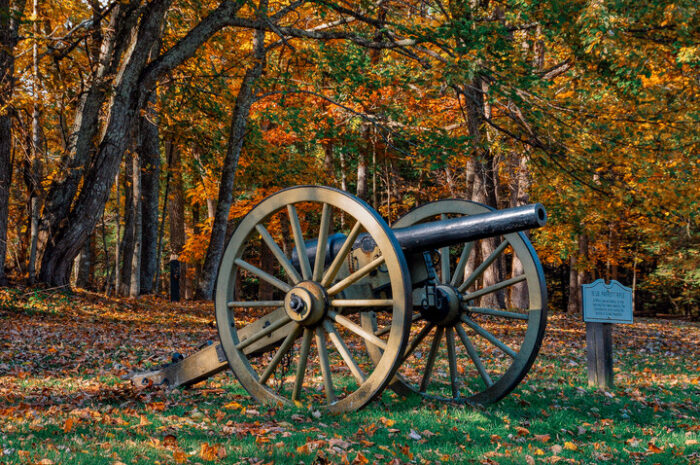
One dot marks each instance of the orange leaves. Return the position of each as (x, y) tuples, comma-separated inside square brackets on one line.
[(69, 424), (212, 452)]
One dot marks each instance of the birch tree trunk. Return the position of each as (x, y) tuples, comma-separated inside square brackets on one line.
[(239, 124)]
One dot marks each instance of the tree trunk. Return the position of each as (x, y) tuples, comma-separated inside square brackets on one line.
[(328, 161), (520, 196), (149, 154), (35, 162), (485, 185), (127, 247), (84, 268), (239, 123), (362, 177), (9, 24), (135, 264), (118, 241), (176, 213), (573, 306), (169, 148)]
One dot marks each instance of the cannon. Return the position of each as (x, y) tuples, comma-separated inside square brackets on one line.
[(319, 302)]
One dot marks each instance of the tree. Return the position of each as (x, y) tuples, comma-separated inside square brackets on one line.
[(10, 15)]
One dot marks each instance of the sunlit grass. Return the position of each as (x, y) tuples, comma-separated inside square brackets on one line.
[(69, 404)]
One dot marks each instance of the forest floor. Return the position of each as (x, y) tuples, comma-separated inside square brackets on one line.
[(62, 399)]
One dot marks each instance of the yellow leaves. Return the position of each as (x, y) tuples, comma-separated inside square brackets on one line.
[(653, 80), (570, 446), (688, 54), (233, 406)]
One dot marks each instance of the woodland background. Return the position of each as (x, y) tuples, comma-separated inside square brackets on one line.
[(133, 132)]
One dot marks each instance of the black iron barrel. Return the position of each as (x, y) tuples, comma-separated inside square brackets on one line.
[(435, 234)]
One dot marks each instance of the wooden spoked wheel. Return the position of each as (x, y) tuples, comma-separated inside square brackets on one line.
[(287, 326), (484, 338)]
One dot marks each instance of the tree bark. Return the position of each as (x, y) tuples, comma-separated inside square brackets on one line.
[(149, 154), (9, 24), (573, 306), (362, 177), (127, 246), (239, 124), (176, 213), (35, 162), (485, 185), (84, 265), (135, 264), (520, 196)]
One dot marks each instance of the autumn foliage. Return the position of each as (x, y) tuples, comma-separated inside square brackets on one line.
[(587, 107)]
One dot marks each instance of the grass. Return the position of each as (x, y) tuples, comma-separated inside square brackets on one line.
[(62, 399)]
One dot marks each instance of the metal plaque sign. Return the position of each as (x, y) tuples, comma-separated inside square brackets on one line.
[(607, 303)]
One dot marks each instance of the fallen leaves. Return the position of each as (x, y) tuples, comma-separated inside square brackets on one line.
[(212, 452), (63, 395)]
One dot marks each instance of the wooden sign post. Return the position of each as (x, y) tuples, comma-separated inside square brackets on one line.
[(603, 305)]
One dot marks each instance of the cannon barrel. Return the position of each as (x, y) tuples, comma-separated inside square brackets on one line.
[(441, 233), (436, 234)]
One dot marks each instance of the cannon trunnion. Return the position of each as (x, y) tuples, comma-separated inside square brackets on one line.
[(318, 301)]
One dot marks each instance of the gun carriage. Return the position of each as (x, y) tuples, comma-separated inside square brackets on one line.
[(307, 315)]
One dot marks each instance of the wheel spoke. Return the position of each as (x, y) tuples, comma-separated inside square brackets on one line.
[(418, 339), (452, 359), (356, 276), (340, 258), (344, 352), (268, 330), (299, 242), (494, 312), (474, 355), (284, 348), (485, 264), (255, 303), (359, 330), (431, 359), (325, 365), (494, 287), (301, 364), (362, 302), (322, 243), (462, 264), (278, 253), (265, 276), (488, 336)]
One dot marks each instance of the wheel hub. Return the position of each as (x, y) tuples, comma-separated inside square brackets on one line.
[(447, 306), (306, 303)]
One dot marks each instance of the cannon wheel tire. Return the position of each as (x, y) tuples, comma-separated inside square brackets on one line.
[(316, 355), (482, 352)]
